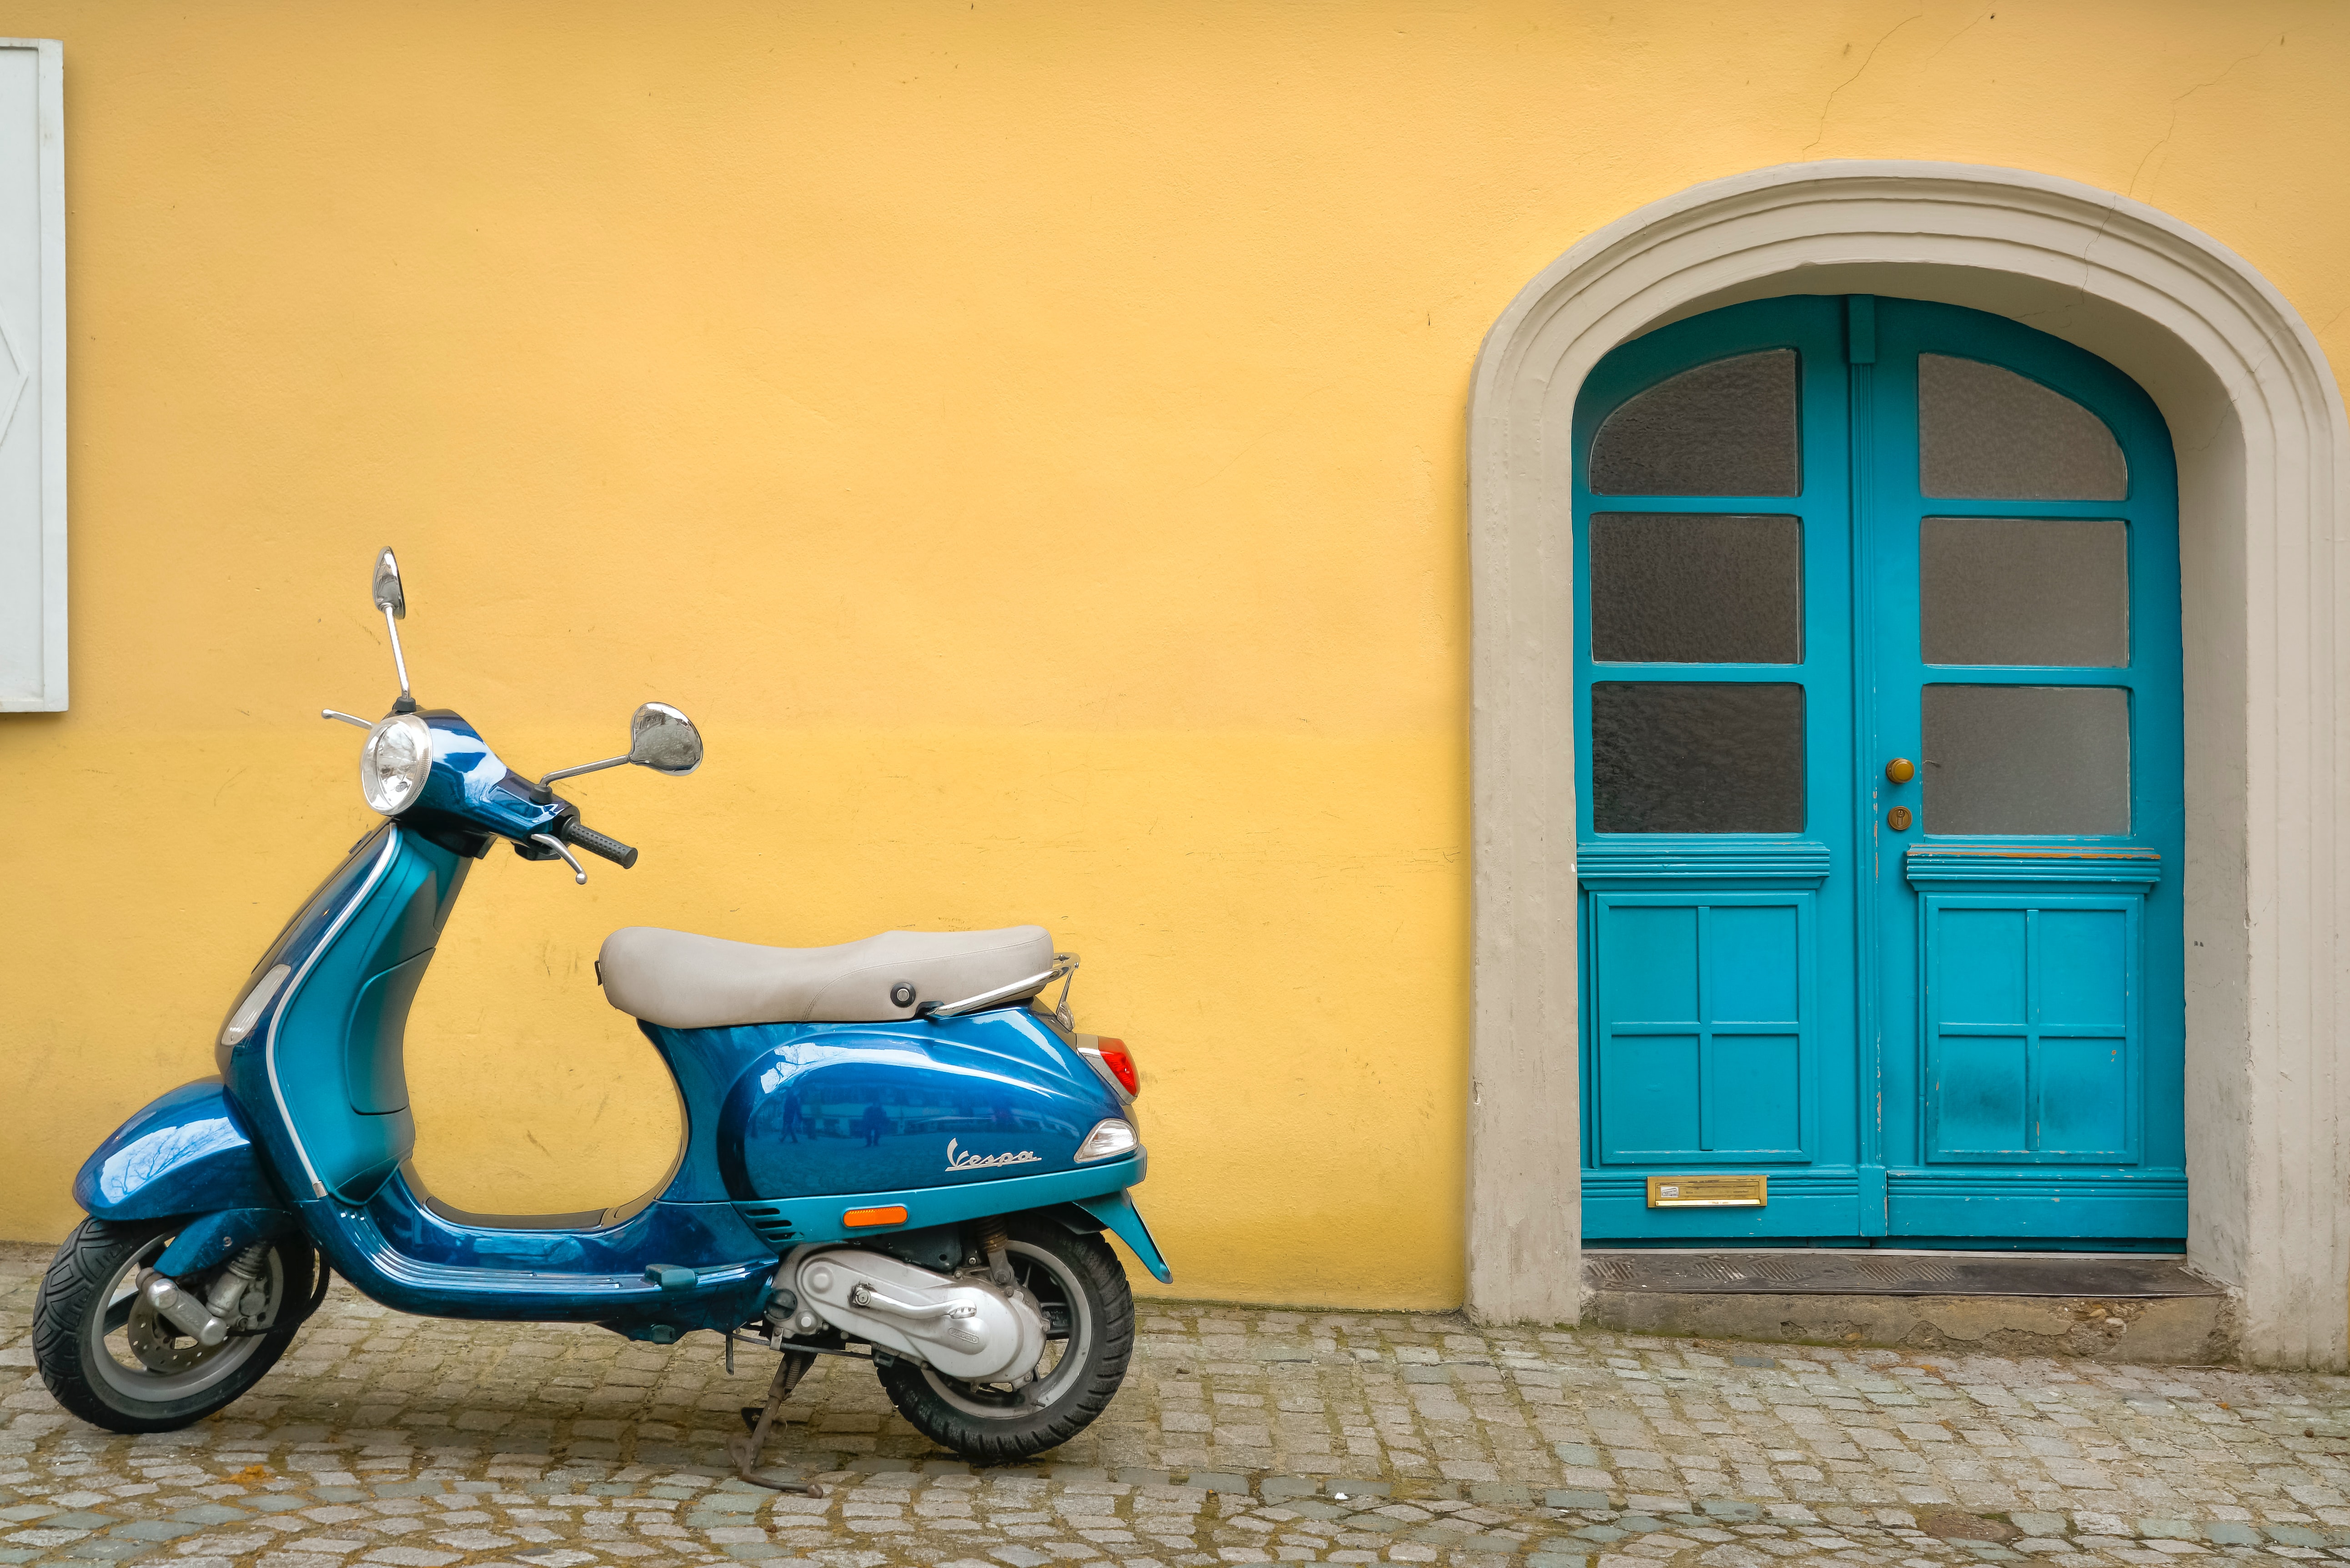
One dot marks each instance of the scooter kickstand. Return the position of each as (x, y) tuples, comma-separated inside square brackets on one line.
[(745, 1449)]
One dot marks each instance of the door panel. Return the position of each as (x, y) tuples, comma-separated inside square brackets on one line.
[(1701, 1015), (2031, 1030), (1815, 536)]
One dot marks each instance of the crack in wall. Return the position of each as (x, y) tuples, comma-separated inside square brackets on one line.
[(1986, 16), (1828, 106), (2172, 129)]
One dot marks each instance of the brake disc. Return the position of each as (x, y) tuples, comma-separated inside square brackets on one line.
[(158, 1342)]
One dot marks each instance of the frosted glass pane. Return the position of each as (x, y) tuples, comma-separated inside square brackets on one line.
[(1724, 429), (1696, 757), (2018, 590), (1988, 433), (1676, 588), (2027, 759)]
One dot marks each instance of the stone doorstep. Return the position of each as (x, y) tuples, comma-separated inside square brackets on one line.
[(2189, 1331), (2143, 1310), (1895, 1271)]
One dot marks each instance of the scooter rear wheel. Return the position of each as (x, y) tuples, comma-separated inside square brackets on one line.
[(1075, 1278), (114, 1363)]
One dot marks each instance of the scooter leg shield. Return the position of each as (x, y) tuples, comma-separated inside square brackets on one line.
[(187, 1152)]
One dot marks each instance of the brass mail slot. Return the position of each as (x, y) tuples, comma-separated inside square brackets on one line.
[(1709, 1191)]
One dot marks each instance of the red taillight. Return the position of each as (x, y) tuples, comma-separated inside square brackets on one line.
[(1120, 1063)]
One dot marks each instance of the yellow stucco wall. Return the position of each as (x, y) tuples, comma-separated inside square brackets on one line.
[(1027, 437)]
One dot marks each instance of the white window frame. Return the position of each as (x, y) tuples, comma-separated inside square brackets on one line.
[(36, 684)]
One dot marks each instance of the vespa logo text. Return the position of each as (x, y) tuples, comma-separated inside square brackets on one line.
[(966, 1160)]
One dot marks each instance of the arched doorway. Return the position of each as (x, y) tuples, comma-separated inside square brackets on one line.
[(2263, 464), (1879, 820)]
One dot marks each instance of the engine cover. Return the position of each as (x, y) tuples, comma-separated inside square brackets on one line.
[(965, 1328)]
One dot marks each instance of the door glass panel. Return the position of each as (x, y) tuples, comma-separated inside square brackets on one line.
[(2027, 759), (1671, 587), (1724, 429), (2017, 590), (1696, 757), (1986, 433)]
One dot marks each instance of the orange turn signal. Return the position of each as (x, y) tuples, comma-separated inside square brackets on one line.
[(895, 1214)]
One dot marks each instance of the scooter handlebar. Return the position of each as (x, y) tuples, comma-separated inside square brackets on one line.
[(578, 833)]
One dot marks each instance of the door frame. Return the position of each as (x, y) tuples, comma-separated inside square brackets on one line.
[(2263, 454)]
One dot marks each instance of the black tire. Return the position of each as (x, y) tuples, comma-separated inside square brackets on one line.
[(82, 1325), (991, 1424)]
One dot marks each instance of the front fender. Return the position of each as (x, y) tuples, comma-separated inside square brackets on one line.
[(187, 1152)]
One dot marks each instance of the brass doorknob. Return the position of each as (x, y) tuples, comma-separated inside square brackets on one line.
[(1900, 771)]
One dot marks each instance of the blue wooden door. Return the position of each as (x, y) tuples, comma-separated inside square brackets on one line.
[(1880, 825)]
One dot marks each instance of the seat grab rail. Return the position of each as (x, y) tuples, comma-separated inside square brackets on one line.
[(1065, 968)]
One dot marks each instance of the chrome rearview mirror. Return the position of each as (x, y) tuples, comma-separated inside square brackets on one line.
[(388, 596), (664, 739), (660, 738), (392, 599)]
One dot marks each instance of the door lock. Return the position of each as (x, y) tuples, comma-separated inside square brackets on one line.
[(1900, 771)]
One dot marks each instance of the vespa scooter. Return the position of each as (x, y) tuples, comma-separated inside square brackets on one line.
[(894, 1150)]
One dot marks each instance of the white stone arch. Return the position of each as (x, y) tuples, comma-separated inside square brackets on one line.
[(2263, 460)]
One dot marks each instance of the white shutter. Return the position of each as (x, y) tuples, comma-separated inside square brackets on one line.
[(32, 376)]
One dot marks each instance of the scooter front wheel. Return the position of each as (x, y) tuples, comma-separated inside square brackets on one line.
[(113, 1361), (1089, 1338)]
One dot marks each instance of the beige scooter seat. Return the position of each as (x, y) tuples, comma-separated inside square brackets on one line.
[(684, 982)]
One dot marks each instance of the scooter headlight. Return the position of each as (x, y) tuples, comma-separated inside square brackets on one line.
[(394, 762)]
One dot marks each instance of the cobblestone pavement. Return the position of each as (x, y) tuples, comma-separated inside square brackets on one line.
[(1243, 1436)]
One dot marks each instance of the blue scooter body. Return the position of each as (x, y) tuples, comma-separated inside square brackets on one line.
[(790, 1128)]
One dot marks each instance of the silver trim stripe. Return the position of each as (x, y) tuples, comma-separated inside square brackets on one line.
[(285, 1002)]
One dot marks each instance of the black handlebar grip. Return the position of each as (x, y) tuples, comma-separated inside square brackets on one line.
[(594, 843)]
